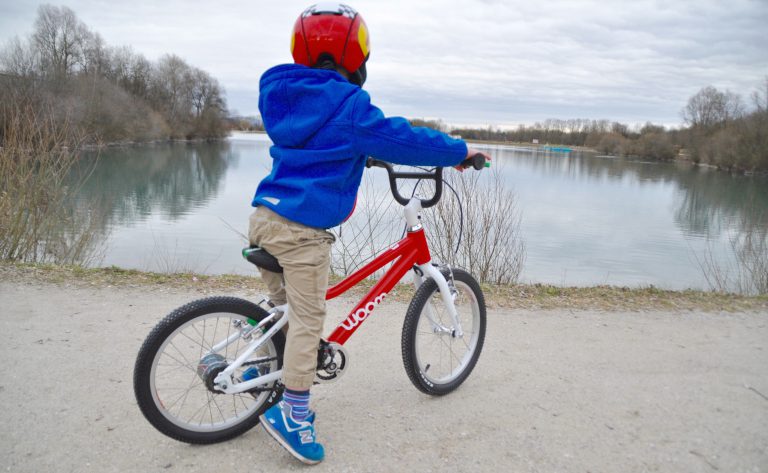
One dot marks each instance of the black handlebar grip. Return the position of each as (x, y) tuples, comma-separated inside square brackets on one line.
[(476, 161)]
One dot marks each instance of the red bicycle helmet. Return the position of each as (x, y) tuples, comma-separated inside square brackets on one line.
[(332, 31)]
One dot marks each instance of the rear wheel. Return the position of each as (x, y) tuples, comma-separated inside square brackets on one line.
[(176, 364), (436, 359)]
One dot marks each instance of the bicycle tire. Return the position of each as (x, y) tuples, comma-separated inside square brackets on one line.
[(420, 339), (154, 385)]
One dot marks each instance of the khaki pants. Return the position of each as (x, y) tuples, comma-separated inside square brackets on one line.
[(305, 255)]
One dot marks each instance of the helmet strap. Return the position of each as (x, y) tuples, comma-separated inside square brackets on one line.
[(326, 62), (358, 77)]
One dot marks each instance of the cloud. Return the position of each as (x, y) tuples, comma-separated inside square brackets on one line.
[(481, 61)]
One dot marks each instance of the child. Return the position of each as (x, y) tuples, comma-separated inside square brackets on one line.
[(324, 127)]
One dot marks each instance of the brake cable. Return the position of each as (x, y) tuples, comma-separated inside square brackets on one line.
[(458, 199)]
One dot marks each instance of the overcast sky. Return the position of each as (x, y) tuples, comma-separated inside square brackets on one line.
[(500, 62)]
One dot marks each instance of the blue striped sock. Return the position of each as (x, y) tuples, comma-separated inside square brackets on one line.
[(299, 403)]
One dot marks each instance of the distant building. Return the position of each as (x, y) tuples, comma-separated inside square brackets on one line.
[(535, 141)]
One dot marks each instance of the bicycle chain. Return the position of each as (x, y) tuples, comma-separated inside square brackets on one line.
[(279, 387)]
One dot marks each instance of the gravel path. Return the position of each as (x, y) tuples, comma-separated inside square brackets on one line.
[(554, 391)]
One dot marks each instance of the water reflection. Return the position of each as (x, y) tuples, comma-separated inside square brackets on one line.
[(590, 219), (171, 180), (711, 201), (707, 201), (586, 219)]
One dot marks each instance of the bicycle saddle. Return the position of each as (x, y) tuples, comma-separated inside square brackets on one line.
[(261, 258)]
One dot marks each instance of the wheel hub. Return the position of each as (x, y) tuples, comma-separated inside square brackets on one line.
[(209, 367)]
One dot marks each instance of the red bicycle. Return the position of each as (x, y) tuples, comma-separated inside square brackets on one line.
[(210, 368)]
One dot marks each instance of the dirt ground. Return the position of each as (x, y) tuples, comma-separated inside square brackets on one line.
[(554, 391)]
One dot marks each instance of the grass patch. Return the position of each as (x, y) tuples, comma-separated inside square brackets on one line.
[(517, 296), (612, 298)]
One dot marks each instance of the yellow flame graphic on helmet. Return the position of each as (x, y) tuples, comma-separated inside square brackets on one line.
[(362, 38)]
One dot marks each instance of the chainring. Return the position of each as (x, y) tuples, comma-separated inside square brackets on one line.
[(333, 361)]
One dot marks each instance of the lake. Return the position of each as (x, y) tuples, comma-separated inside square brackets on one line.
[(584, 219)]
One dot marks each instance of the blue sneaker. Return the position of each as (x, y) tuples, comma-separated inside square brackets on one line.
[(296, 437)]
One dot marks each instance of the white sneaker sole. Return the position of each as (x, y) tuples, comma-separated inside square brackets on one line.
[(276, 435)]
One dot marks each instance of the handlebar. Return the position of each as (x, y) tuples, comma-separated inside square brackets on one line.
[(436, 175), (476, 161)]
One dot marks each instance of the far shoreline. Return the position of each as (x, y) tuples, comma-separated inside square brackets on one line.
[(680, 158)]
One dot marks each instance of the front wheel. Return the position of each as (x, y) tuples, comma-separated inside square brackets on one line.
[(436, 359), (173, 375)]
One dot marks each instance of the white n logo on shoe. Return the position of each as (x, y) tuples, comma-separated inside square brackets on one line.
[(305, 436)]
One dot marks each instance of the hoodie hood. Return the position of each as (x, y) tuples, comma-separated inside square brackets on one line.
[(296, 101)]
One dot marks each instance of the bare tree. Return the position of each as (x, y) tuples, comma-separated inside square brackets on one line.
[(59, 37), (18, 58), (107, 94), (480, 229), (171, 92), (760, 98), (375, 223), (94, 54), (206, 92), (747, 273), (37, 222), (710, 107)]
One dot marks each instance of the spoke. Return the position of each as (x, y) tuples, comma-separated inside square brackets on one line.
[(192, 418), (245, 406), (431, 338), (201, 344), (210, 410), (213, 398), (200, 409), (192, 384), (175, 368), (180, 363), (180, 353), (426, 332), (237, 348), (451, 351), (202, 339), (440, 352), (184, 393), (226, 348), (184, 401), (215, 328), (464, 340)]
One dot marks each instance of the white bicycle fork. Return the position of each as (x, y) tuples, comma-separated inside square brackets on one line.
[(413, 219)]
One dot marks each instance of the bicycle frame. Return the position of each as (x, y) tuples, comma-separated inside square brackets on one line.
[(409, 253)]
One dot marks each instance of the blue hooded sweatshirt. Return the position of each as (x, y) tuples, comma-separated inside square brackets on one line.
[(323, 129)]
